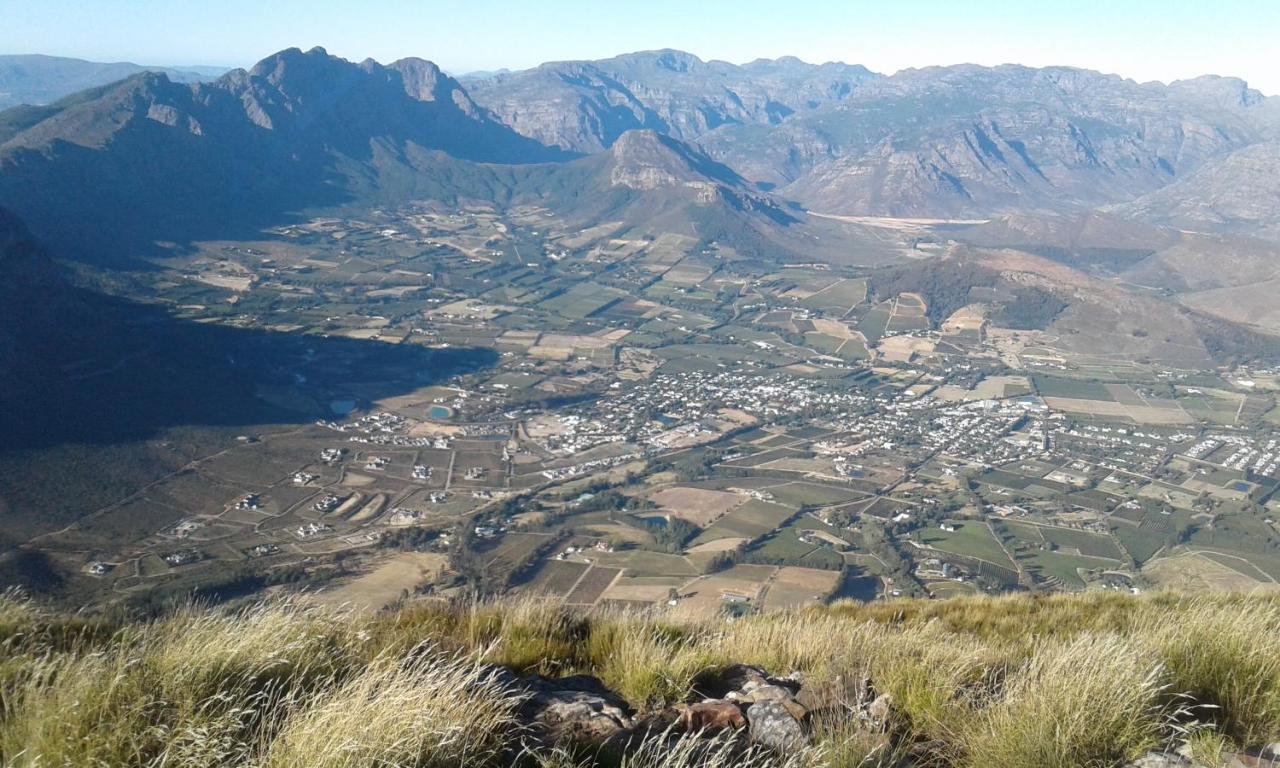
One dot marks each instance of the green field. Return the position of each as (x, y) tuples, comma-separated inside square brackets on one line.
[(800, 494), (1052, 386), (872, 324), (784, 546), (582, 300), (751, 520), (1063, 567), (1086, 543), (971, 539), (1141, 544), (839, 297)]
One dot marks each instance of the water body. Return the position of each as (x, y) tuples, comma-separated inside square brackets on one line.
[(439, 412), (342, 407)]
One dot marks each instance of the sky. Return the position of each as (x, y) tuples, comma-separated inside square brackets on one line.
[(1140, 39)]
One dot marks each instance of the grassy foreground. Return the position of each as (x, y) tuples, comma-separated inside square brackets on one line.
[(1062, 680)]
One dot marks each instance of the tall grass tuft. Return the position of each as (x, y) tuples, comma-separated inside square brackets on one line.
[(435, 711), (651, 664), (1090, 701), (1225, 654), (198, 688)]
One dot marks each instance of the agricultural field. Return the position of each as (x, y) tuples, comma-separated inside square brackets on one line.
[(748, 521), (838, 298), (970, 539)]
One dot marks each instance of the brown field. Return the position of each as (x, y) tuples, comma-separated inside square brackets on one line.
[(371, 509), (645, 589), (967, 318), (793, 587), (560, 354), (592, 585), (718, 545), (555, 577), (384, 584), (1142, 414), (903, 348), (695, 505), (990, 388), (1193, 572), (704, 597), (834, 328)]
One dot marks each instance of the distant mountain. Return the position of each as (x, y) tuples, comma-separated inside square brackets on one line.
[(967, 141), (35, 79), (108, 172), (961, 141), (585, 106), (105, 174)]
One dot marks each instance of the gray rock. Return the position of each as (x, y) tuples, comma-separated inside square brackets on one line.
[(773, 724), (757, 691), (732, 679), (575, 709)]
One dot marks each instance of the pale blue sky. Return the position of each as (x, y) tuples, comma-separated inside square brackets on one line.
[(1141, 39)]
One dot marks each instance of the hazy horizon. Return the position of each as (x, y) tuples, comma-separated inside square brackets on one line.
[(1142, 40)]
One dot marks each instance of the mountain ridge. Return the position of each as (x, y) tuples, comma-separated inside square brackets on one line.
[(37, 79)]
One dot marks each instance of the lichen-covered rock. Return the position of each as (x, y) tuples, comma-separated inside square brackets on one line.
[(576, 708), (773, 724)]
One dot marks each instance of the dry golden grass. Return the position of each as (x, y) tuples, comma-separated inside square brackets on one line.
[(1062, 681)]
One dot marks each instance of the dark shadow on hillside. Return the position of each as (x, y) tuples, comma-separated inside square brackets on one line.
[(112, 371)]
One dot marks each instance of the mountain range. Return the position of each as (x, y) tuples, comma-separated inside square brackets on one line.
[(1083, 171), (36, 79), (305, 130)]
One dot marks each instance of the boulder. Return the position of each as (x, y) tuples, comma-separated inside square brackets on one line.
[(759, 691), (576, 708), (878, 712), (773, 724)]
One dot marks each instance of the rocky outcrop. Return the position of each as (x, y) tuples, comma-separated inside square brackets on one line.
[(778, 713)]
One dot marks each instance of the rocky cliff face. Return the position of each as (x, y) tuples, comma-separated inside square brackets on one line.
[(972, 140), (941, 141), (585, 106)]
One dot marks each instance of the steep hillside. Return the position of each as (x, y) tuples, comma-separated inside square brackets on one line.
[(952, 141), (35, 306)]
